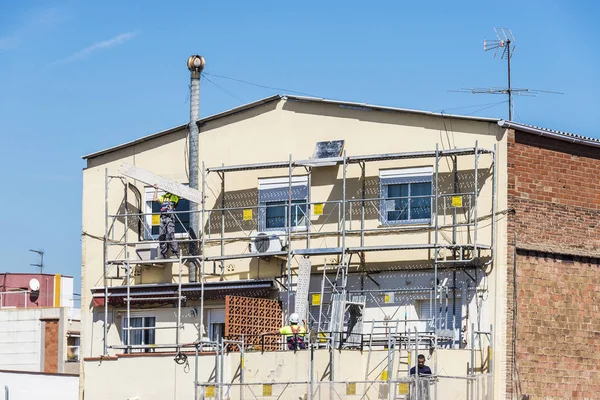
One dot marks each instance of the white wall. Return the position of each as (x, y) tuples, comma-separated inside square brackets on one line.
[(27, 386), (157, 377), (21, 339)]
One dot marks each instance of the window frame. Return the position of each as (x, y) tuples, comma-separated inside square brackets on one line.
[(274, 190), (75, 349), (211, 323), (404, 176), (127, 332), (425, 305), (147, 230)]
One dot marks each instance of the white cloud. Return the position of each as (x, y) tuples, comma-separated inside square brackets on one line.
[(104, 45)]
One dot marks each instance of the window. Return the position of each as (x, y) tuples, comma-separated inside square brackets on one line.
[(143, 334), (73, 343), (406, 195), (216, 324), (276, 213), (152, 222), (448, 316), (273, 197)]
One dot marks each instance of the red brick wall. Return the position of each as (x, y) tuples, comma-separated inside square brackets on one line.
[(554, 190), (51, 345), (558, 326)]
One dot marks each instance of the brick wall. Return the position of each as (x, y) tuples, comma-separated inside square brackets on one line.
[(51, 337), (554, 191)]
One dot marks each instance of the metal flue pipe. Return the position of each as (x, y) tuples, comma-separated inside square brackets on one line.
[(195, 64)]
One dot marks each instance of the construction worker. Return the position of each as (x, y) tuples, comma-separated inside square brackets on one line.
[(423, 369), (295, 334), (166, 233)]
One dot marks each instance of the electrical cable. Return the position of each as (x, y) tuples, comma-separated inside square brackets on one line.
[(485, 108), (443, 110), (221, 88), (259, 85)]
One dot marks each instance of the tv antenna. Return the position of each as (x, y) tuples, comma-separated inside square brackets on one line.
[(41, 264), (504, 44)]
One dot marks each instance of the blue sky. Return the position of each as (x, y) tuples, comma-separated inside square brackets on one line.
[(77, 77)]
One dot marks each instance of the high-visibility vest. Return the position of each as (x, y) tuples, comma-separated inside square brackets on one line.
[(293, 332), (168, 202)]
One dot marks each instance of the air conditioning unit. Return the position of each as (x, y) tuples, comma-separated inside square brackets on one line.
[(147, 251), (266, 242)]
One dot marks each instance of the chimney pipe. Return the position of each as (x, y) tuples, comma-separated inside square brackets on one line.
[(195, 64)]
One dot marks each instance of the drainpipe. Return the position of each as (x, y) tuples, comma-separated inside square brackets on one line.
[(195, 64)]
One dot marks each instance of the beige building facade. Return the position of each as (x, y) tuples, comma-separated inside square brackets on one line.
[(381, 203)]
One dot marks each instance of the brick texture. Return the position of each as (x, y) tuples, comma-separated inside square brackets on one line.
[(252, 317), (51, 346), (554, 192)]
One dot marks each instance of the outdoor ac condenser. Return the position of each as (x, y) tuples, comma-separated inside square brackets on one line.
[(266, 242)]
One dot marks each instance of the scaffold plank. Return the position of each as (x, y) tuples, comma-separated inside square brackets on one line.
[(163, 183)]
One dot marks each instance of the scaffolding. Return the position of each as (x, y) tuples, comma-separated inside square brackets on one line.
[(391, 378), (464, 255), (452, 255)]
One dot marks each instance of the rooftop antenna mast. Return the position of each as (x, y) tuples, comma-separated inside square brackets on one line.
[(505, 43), (41, 264)]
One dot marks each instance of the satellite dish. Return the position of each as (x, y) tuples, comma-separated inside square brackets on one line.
[(34, 285)]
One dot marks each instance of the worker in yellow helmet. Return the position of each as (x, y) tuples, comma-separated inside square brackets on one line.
[(295, 334), (166, 233)]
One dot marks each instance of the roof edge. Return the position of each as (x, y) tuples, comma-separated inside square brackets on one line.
[(387, 108), (277, 97), (201, 121), (564, 136)]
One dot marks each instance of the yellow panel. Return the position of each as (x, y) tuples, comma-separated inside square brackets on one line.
[(267, 390), (408, 362), (322, 337), (247, 213), (318, 209), (384, 375), (155, 219), (210, 391), (403, 388), (316, 299), (386, 298), (490, 354), (57, 290), (457, 201), (351, 388)]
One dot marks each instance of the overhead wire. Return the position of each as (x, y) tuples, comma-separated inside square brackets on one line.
[(443, 110), (259, 85), (518, 116), (485, 108), (221, 88)]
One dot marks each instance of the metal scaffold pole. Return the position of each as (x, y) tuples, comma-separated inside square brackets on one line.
[(475, 190), (179, 300), (128, 266), (362, 208), (436, 239), (289, 237), (222, 222), (128, 301), (343, 260), (106, 181), (203, 254)]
